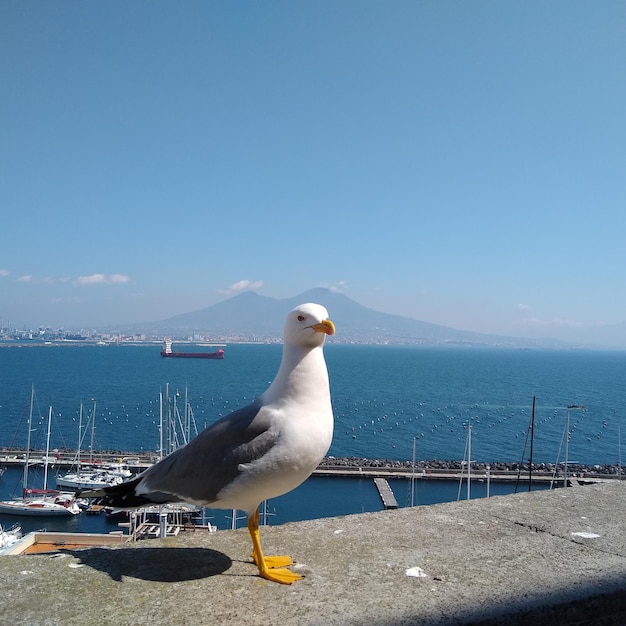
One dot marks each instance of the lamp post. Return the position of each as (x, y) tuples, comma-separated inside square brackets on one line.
[(571, 407)]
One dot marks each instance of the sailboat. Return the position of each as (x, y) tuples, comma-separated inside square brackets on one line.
[(92, 477), (40, 502), (174, 430), (9, 536)]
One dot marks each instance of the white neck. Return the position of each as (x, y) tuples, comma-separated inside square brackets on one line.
[(302, 370)]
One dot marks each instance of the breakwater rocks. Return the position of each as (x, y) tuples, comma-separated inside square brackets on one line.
[(141, 460), (496, 467)]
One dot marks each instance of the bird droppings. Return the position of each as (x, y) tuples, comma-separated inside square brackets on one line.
[(416, 572), (585, 535)]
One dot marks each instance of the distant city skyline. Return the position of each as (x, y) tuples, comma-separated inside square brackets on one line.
[(252, 317), (460, 164)]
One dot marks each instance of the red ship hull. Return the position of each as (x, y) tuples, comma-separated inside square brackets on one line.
[(219, 354)]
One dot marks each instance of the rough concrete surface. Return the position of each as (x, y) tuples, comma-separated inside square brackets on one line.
[(505, 560)]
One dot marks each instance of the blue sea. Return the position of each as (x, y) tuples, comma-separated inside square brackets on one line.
[(384, 397)]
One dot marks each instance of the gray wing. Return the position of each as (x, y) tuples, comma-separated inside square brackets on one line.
[(202, 468)]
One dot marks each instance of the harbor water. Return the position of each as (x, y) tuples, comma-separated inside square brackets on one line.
[(384, 398)]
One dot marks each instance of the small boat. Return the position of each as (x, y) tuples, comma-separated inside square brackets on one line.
[(10, 536), (41, 502), (91, 476), (167, 352)]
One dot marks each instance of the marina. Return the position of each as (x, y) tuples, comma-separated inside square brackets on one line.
[(391, 404), (383, 398)]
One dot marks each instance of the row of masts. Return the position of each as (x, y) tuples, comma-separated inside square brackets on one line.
[(467, 460), (175, 430), (28, 437)]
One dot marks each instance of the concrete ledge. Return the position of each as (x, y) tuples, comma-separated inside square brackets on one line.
[(504, 560)]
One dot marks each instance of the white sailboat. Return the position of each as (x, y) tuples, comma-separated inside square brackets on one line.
[(9, 536), (174, 431), (94, 478), (40, 502), (91, 476)]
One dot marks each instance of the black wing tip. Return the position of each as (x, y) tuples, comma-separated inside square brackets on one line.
[(90, 493), (116, 495)]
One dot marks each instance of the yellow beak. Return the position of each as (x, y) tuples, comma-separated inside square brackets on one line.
[(325, 326)]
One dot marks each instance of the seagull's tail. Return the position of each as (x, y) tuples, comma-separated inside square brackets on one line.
[(124, 496)]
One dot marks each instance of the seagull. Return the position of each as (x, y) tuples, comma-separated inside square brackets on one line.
[(260, 451)]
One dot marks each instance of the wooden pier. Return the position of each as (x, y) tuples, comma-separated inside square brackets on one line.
[(386, 495)]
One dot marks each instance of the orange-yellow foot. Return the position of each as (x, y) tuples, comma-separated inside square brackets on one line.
[(278, 574), (275, 561)]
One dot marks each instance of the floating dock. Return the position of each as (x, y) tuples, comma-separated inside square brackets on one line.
[(386, 495)]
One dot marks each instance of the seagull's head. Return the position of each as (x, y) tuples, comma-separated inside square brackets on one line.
[(308, 325)]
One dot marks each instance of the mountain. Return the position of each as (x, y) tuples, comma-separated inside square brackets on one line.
[(250, 316)]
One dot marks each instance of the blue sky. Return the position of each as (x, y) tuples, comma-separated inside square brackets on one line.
[(462, 163)]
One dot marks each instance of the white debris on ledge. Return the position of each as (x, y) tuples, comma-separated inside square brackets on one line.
[(585, 535), (416, 572)]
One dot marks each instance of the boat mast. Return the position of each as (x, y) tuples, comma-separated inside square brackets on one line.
[(469, 460), (532, 439), (30, 422), (619, 453), (167, 419), (45, 466), (80, 432), (160, 425), (93, 428), (413, 475), (187, 436)]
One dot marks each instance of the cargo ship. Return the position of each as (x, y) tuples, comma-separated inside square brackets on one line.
[(167, 352)]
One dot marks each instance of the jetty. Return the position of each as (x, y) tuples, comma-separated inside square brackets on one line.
[(385, 493)]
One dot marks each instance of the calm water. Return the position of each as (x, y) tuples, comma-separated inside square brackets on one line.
[(383, 397)]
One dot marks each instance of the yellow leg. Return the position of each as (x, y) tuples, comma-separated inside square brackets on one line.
[(270, 567)]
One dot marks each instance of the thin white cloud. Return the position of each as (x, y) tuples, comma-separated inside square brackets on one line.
[(4, 272), (29, 278), (118, 279), (92, 279), (242, 285), (81, 281), (523, 307), (340, 287), (557, 322), (101, 279), (71, 300)]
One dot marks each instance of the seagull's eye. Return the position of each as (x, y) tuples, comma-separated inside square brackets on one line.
[(301, 318)]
